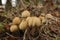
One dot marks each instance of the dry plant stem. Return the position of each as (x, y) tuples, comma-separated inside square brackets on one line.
[(22, 3), (55, 19), (24, 34), (31, 2), (46, 23), (10, 35)]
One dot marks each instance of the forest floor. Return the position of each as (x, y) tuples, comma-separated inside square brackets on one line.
[(48, 31)]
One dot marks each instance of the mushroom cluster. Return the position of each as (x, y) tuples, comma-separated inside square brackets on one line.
[(28, 21)]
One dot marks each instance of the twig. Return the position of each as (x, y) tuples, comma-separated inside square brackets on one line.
[(31, 2), (24, 34), (22, 3), (10, 35)]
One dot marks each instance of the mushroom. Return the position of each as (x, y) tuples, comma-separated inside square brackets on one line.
[(43, 19), (29, 21), (33, 21), (36, 21), (23, 25), (13, 28), (49, 16), (16, 20), (25, 13)]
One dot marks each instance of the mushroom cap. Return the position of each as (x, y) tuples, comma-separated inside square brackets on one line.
[(25, 13), (36, 21), (43, 19), (49, 16), (23, 25), (33, 21), (13, 28), (29, 21), (16, 20)]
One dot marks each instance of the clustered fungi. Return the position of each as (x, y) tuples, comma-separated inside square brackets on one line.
[(26, 20)]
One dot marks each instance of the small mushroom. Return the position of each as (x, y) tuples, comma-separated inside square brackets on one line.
[(16, 20), (23, 25), (33, 21), (49, 16), (29, 21), (36, 21), (43, 19), (25, 13), (13, 28)]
